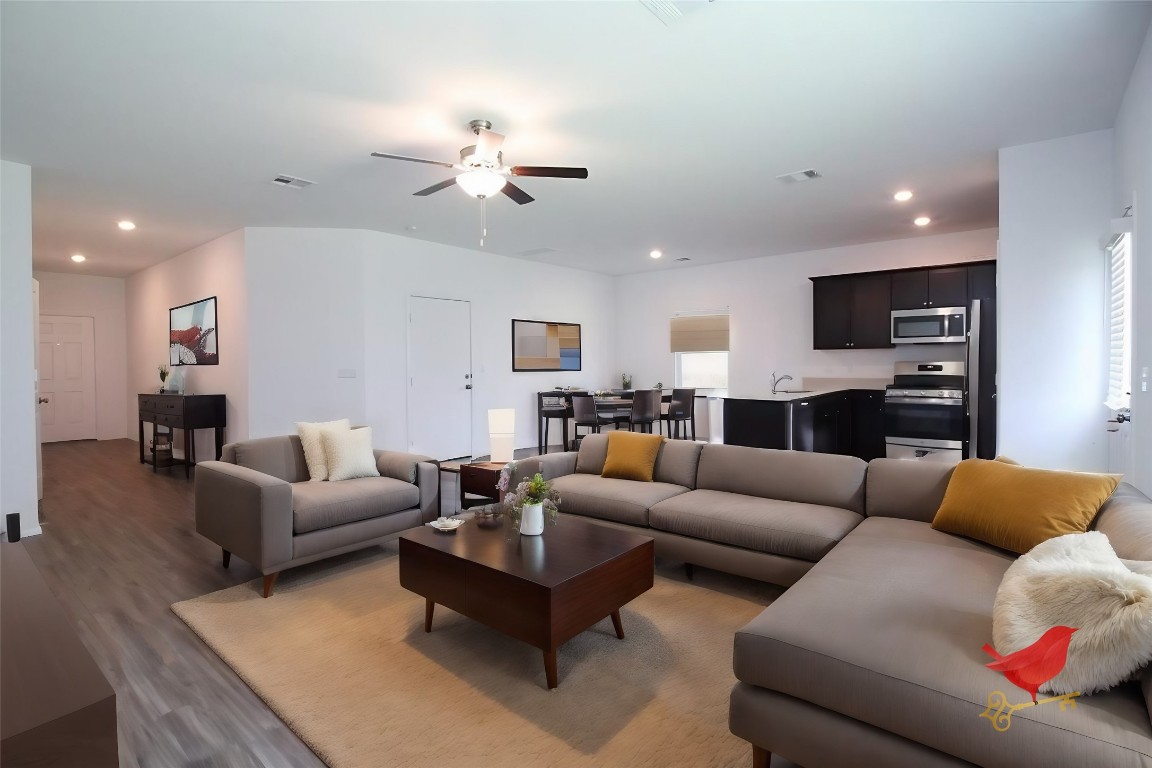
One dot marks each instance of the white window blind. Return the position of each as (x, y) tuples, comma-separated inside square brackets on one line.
[(1119, 322)]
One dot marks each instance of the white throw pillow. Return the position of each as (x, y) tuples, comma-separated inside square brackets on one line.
[(349, 453), (314, 454), (1077, 581)]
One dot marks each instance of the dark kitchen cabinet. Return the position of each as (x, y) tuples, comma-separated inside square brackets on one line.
[(851, 312), (867, 424), (939, 287), (755, 423), (982, 282), (823, 424)]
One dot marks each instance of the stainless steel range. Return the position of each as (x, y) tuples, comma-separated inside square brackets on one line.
[(924, 412)]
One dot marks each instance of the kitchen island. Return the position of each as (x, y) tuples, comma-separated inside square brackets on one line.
[(823, 420)]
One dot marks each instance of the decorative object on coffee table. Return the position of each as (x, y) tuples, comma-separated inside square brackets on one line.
[(529, 502)]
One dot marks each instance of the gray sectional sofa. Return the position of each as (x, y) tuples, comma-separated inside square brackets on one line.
[(258, 503), (873, 655)]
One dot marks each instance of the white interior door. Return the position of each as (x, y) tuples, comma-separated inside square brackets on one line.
[(67, 355), (36, 347), (439, 377)]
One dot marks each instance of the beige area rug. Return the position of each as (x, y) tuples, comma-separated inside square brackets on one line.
[(340, 654)]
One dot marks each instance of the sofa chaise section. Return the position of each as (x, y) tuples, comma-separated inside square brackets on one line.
[(258, 503), (880, 643)]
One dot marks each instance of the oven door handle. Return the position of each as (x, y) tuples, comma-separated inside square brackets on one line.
[(924, 400)]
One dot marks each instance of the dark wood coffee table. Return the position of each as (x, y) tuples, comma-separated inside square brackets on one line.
[(543, 590)]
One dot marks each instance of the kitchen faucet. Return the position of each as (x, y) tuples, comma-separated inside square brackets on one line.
[(777, 381)]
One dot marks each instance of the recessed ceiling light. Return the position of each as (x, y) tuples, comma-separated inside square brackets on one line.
[(656, 254), (921, 221), (903, 195), (77, 257), (126, 225)]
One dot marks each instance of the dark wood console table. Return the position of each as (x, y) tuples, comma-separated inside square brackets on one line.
[(186, 412)]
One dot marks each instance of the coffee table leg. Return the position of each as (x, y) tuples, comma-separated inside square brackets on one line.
[(429, 607), (550, 667), (617, 625)]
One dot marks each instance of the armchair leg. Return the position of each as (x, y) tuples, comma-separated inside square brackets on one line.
[(761, 758), (688, 572), (227, 557), (269, 583)]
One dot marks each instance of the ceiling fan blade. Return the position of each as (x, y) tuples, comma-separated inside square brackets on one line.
[(488, 144), (546, 170), (412, 159), (517, 194), (435, 187)]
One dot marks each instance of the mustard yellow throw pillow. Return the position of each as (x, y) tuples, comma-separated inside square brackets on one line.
[(1015, 507), (631, 456)]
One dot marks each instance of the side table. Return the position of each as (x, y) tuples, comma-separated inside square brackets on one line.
[(480, 479)]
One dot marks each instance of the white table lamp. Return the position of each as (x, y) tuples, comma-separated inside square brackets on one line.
[(502, 433)]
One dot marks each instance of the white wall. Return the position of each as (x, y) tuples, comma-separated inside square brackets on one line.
[(770, 301), (320, 270), (306, 293), (1055, 206), (17, 352), (1133, 184), (213, 269), (102, 299)]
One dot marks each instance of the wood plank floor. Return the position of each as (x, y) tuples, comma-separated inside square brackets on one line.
[(118, 548)]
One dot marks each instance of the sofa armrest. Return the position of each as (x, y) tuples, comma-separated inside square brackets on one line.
[(246, 512), (1126, 519), (399, 465), (428, 480), (553, 465)]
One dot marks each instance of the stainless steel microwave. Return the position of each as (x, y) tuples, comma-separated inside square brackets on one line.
[(929, 326)]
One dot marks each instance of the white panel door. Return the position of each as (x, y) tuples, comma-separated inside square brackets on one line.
[(67, 357), (439, 377)]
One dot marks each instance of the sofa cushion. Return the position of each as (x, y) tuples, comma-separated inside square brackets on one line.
[(810, 478), (593, 452), (624, 501), (323, 505), (677, 463), (912, 490), (281, 457), (887, 629), (631, 456), (1015, 507), (804, 531), (314, 451)]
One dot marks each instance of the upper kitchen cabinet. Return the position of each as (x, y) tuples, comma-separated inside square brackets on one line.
[(851, 311), (940, 287), (982, 281)]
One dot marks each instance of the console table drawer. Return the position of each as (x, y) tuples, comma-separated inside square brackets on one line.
[(169, 420)]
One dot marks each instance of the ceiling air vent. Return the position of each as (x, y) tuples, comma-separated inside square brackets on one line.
[(683, 258), (798, 176), (291, 182), (536, 252)]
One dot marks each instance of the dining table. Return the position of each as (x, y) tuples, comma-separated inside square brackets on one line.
[(548, 407)]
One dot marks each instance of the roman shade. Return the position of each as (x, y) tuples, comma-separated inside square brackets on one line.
[(700, 333)]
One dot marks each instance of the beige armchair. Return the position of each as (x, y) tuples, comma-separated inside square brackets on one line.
[(258, 503)]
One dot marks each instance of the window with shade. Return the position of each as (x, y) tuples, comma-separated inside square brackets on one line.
[(700, 344), (1119, 322)]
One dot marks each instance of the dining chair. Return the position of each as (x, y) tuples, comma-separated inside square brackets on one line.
[(645, 410), (681, 411), (584, 414)]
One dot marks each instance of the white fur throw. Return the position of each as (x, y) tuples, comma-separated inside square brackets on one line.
[(314, 455), (349, 453), (1077, 580)]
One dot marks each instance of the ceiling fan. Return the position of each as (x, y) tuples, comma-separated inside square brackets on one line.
[(484, 173)]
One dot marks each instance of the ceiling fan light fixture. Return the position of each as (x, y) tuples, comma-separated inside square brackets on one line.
[(481, 183)]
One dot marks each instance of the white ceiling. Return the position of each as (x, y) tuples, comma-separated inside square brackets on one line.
[(177, 115)]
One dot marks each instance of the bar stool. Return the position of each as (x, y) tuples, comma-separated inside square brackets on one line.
[(558, 406), (681, 410)]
